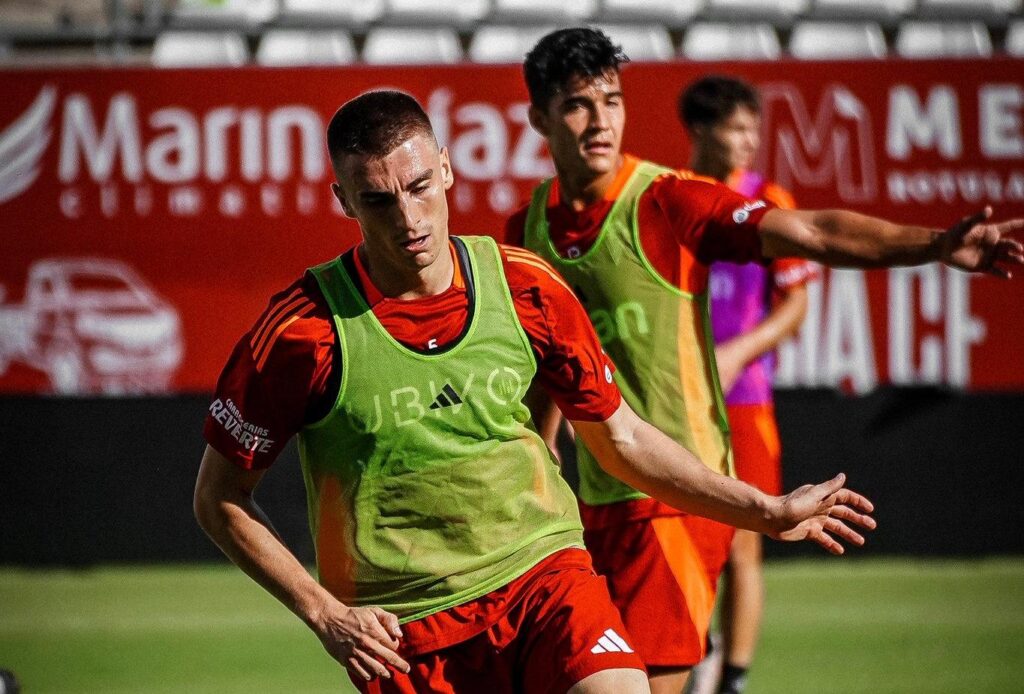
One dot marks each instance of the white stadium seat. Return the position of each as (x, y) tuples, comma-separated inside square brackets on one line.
[(837, 40), (199, 49), (867, 9), (29, 15), (968, 9), (406, 45), (534, 11), (730, 41), (761, 8), (943, 40), (504, 43), (671, 13), (650, 43), (285, 47), (1015, 38), (350, 13), (223, 13), (449, 12)]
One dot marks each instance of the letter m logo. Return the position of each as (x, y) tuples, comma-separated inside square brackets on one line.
[(833, 150)]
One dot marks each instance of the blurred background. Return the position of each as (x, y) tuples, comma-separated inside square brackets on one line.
[(163, 172)]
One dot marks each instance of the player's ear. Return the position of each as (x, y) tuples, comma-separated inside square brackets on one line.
[(339, 193), (539, 120), (447, 175)]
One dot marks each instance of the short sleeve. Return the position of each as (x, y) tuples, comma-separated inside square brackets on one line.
[(572, 366), (778, 196), (275, 380), (793, 272), (710, 220)]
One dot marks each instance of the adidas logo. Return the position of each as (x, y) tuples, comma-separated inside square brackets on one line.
[(611, 643), (446, 398)]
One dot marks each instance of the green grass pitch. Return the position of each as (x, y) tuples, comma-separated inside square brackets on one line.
[(838, 626)]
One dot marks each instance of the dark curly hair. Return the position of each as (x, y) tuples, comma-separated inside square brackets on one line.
[(566, 54), (712, 99)]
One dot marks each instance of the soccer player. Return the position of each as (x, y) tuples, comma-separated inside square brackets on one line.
[(635, 241), (449, 549), (753, 308)]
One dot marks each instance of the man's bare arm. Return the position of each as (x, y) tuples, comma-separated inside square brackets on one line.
[(849, 239), (546, 416), (638, 454), (226, 510), (782, 320)]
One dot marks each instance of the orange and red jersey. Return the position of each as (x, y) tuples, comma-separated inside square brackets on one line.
[(686, 222), (285, 372)]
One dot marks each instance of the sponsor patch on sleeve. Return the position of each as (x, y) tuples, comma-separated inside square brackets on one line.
[(742, 214), (251, 437)]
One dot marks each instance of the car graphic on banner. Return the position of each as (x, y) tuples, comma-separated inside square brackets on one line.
[(93, 326)]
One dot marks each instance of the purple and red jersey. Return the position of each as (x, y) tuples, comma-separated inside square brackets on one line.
[(741, 295)]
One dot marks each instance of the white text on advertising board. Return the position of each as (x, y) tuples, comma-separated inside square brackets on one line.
[(833, 147)]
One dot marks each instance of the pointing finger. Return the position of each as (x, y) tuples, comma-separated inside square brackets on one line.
[(968, 223), (1010, 225)]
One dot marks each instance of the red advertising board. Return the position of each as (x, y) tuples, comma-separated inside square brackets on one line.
[(147, 215)]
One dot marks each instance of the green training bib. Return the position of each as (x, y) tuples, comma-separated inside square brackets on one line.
[(658, 336), (427, 483)]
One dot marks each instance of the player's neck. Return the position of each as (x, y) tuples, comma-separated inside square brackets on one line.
[(704, 164), (580, 190), (397, 282)]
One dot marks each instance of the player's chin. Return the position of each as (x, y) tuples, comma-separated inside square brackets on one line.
[(427, 257), (601, 162)]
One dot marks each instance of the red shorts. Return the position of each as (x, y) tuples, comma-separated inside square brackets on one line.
[(757, 451), (561, 628), (663, 574)]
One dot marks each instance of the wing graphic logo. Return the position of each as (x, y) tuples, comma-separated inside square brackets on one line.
[(23, 143)]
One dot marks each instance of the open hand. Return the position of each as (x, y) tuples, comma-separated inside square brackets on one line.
[(360, 638), (976, 246), (818, 512)]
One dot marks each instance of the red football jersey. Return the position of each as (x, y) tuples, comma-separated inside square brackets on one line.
[(285, 371)]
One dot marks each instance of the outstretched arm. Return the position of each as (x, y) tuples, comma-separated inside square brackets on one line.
[(842, 238), (643, 457), (224, 506)]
